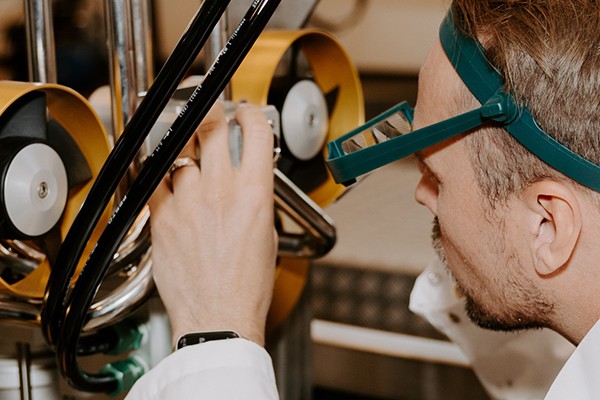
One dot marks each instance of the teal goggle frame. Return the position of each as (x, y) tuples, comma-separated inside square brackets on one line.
[(347, 162)]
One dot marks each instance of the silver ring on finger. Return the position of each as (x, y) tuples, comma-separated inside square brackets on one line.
[(181, 162)]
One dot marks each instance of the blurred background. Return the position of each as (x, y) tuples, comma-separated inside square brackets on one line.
[(386, 39)]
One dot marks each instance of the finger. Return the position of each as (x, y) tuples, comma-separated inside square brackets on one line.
[(190, 149), (215, 161), (161, 198), (257, 153)]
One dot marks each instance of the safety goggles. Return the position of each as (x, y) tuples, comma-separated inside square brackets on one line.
[(389, 137)]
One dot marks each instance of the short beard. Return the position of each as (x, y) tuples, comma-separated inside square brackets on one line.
[(436, 241), (512, 320)]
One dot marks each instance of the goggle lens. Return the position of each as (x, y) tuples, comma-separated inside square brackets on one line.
[(397, 124)]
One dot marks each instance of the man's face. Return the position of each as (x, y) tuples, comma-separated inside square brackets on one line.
[(481, 247)]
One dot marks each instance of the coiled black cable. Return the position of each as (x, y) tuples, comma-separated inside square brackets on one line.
[(115, 167), (141, 189)]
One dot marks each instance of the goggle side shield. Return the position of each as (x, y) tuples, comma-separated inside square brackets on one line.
[(389, 137)]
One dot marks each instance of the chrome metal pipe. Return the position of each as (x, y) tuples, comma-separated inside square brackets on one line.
[(132, 293), (141, 28), (125, 299), (217, 41), (318, 225), (121, 63), (39, 31), (24, 360), (19, 309), (141, 12)]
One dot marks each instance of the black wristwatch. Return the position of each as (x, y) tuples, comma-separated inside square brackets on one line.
[(202, 337)]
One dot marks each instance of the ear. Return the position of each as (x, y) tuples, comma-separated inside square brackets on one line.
[(555, 224)]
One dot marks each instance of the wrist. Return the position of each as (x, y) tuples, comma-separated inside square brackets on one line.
[(241, 330), (197, 338)]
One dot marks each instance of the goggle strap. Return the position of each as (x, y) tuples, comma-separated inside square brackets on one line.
[(467, 56)]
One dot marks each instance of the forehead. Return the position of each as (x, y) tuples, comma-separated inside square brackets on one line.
[(441, 95), (441, 91)]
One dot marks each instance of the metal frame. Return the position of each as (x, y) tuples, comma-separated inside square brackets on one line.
[(126, 239)]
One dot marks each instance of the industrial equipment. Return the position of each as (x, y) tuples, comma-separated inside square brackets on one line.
[(75, 248)]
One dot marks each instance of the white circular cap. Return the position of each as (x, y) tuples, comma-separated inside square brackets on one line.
[(35, 189), (304, 120)]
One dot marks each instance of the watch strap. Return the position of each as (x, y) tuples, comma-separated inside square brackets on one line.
[(191, 339)]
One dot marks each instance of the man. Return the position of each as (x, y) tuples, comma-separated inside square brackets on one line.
[(518, 235)]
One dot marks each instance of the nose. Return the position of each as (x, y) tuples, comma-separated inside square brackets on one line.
[(427, 192)]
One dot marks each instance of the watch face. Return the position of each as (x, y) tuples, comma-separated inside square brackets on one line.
[(201, 337)]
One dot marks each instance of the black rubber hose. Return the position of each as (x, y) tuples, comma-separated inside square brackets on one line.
[(118, 162), (141, 189), (100, 342)]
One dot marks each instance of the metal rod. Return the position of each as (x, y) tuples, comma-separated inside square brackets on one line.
[(141, 23), (300, 207), (217, 40), (39, 32), (141, 12), (24, 360), (121, 64)]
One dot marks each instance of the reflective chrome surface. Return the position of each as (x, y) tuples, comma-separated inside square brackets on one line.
[(121, 63), (131, 294), (136, 288), (141, 12), (39, 32), (218, 38), (320, 234)]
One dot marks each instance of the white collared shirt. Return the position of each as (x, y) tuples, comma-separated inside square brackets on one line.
[(511, 366), (216, 370), (580, 377)]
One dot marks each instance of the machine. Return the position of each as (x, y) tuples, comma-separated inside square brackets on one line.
[(75, 249)]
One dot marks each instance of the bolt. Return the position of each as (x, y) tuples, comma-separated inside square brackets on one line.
[(43, 190), (312, 120)]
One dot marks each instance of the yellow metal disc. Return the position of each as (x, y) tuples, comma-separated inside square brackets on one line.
[(290, 278), (76, 116), (331, 68)]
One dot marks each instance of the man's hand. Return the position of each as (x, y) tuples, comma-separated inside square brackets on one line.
[(213, 239)]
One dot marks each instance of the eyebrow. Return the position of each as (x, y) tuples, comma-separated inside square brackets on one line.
[(421, 160), (423, 164)]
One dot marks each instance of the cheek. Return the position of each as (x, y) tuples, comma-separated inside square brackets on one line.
[(466, 232)]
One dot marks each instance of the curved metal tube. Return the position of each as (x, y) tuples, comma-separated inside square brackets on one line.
[(318, 225), (137, 237), (127, 297), (20, 309), (20, 248), (132, 293)]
